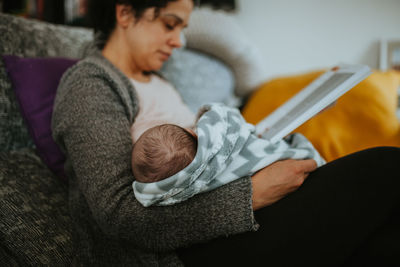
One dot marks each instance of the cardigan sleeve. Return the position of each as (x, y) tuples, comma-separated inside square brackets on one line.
[(91, 124)]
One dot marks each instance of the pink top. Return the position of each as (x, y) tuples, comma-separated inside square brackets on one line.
[(159, 103)]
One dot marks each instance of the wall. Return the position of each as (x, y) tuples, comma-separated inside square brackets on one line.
[(300, 35)]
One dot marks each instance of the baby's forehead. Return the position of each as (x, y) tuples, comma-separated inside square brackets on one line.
[(159, 131), (150, 132), (165, 132)]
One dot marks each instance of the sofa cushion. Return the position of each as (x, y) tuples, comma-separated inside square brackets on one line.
[(218, 33), (6, 257), (33, 38), (13, 132), (30, 38), (362, 118), (35, 82), (35, 226)]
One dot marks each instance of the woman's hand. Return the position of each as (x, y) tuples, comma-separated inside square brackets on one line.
[(275, 181)]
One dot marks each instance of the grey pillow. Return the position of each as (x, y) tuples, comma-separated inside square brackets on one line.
[(200, 78)]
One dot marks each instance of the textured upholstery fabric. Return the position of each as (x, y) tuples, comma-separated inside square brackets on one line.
[(13, 133), (44, 40), (6, 258), (35, 226)]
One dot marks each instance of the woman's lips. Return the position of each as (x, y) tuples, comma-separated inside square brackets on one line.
[(165, 55)]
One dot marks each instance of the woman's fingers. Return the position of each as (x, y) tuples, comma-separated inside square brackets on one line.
[(307, 165), (277, 180)]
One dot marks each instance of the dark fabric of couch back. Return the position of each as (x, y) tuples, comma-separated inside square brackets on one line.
[(30, 38)]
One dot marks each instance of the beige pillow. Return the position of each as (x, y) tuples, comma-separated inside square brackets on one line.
[(218, 34)]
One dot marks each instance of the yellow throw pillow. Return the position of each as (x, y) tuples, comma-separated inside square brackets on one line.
[(362, 118)]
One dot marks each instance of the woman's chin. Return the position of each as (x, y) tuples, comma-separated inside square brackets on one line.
[(156, 66)]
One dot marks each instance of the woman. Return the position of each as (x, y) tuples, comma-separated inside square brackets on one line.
[(335, 217)]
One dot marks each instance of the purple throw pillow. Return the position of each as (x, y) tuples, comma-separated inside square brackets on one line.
[(35, 82)]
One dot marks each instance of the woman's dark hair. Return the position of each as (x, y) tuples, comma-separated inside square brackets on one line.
[(101, 13)]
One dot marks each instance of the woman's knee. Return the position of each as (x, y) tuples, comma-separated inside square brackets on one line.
[(385, 150), (373, 162), (384, 155)]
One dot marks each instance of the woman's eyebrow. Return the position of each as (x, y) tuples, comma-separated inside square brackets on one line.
[(178, 19)]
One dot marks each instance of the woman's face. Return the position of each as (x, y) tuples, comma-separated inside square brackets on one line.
[(151, 40)]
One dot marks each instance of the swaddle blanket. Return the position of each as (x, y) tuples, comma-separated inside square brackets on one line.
[(227, 150)]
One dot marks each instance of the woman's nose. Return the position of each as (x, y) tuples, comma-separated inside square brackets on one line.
[(176, 40)]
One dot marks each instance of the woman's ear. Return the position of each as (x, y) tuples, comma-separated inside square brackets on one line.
[(123, 15)]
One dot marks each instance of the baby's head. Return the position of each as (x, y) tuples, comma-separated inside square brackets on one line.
[(162, 151)]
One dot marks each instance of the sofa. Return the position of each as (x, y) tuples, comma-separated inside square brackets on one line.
[(35, 226)]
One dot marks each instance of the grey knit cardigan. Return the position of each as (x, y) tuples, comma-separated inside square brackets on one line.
[(94, 108)]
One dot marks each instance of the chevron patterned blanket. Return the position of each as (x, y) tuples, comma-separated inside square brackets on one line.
[(227, 150)]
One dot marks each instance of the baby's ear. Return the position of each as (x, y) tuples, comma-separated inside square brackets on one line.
[(201, 111)]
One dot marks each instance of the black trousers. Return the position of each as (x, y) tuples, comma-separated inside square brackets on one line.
[(347, 213)]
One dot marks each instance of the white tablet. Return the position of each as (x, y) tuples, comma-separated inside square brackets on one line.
[(322, 92)]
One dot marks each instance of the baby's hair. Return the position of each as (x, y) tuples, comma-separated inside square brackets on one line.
[(161, 152)]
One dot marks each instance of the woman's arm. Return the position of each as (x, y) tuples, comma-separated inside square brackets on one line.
[(91, 122)]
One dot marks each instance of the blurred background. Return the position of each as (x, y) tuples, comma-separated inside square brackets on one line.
[(301, 35), (72, 12), (292, 35)]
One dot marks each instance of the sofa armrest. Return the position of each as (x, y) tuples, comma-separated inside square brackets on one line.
[(6, 259), (35, 227)]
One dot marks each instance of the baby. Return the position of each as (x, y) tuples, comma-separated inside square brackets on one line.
[(162, 151), (171, 163)]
